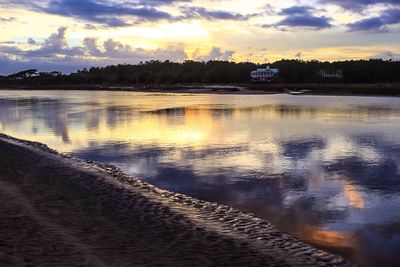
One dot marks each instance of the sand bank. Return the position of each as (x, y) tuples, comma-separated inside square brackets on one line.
[(56, 210)]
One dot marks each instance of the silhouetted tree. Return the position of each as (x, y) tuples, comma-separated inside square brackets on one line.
[(157, 72)]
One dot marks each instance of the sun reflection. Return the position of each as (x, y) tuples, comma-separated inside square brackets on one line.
[(191, 136)]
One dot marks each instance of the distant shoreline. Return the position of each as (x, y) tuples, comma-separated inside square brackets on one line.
[(247, 88)]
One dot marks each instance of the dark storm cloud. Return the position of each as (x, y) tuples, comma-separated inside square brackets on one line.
[(377, 24), (301, 16), (357, 5)]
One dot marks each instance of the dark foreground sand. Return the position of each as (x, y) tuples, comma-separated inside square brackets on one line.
[(60, 211)]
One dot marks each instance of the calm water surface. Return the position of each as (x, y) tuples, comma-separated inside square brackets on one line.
[(324, 168)]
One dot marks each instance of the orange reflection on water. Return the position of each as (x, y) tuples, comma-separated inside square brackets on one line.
[(330, 238), (354, 197)]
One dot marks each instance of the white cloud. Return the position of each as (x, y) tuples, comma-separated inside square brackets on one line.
[(55, 53)]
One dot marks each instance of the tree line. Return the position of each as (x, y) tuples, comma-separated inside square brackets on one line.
[(192, 72)]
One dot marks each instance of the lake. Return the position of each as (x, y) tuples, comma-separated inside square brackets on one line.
[(323, 168)]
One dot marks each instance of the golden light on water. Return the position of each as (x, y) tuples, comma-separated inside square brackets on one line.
[(330, 238), (354, 197), (277, 156), (116, 118)]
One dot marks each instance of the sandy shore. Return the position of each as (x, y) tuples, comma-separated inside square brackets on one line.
[(56, 210)]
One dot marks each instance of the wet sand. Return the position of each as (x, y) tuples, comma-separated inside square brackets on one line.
[(56, 210)]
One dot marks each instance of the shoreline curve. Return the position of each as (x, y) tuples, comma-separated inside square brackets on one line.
[(57, 209)]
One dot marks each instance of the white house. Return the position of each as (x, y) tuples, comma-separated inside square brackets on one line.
[(266, 74), (338, 74)]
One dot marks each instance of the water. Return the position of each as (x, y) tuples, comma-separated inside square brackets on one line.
[(324, 168)]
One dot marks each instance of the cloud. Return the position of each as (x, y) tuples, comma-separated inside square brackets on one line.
[(300, 16), (201, 12), (308, 21), (269, 9), (54, 53), (114, 50), (9, 19), (216, 53), (296, 10), (104, 13), (160, 2), (358, 5), (109, 13), (377, 24), (55, 44), (123, 13), (31, 41), (387, 55), (91, 47), (298, 55)]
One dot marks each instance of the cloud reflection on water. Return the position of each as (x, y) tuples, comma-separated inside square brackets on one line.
[(323, 168)]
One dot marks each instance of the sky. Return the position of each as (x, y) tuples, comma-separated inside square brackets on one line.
[(67, 35)]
